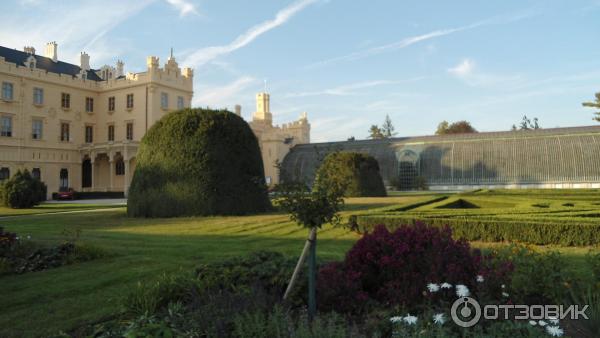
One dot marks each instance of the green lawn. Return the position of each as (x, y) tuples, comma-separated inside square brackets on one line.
[(45, 208), (42, 303)]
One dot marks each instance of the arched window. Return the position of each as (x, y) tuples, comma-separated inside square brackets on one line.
[(64, 178), (4, 174), (36, 173), (119, 167)]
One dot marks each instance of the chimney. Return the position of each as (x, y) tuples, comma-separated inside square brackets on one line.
[(29, 50), (85, 61), (119, 71), (51, 51), (238, 110)]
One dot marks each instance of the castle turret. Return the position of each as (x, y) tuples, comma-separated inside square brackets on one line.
[(263, 109), (52, 51)]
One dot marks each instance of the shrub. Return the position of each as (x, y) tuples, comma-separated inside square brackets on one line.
[(355, 174), (198, 162), (23, 191), (531, 231), (149, 297), (392, 268)]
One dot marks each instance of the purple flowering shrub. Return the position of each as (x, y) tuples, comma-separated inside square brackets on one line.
[(393, 268)]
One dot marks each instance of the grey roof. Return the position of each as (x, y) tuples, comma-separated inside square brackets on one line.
[(18, 57)]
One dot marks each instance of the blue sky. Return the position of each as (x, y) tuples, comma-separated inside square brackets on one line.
[(347, 63)]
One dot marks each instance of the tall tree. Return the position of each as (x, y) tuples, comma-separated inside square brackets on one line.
[(375, 132), (594, 104), (458, 127), (387, 129), (527, 124)]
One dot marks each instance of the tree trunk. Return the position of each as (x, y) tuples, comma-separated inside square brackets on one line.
[(312, 236)]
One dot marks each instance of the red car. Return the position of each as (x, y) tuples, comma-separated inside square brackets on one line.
[(66, 194)]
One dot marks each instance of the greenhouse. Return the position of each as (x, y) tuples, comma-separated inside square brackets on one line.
[(544, 158)]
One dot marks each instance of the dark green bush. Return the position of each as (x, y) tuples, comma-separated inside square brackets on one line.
[(355, 174), (198, 162), (489, 230), (23, 191)]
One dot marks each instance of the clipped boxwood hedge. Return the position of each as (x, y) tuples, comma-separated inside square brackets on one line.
[(356, 174), (533, 232), (198, 162)]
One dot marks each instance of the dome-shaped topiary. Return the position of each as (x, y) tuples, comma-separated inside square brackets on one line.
[(355, 174), (198, 162)]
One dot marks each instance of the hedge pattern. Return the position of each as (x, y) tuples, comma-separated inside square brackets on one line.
[(198, 162), (356, 174), (489, 230)]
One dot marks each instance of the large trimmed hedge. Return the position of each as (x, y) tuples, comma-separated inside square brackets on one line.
[(22, 191), (198, 162), (356, 174)]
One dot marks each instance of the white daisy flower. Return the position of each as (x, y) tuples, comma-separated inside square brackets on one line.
[(554, 331), (504, 294), (553, 320), (503, 286), (462, 291), (396, 319), (410, 320), (439, 318), (480, 279), (432, 287), (446, 286), (542, 323), (28, 237), (532, 323)]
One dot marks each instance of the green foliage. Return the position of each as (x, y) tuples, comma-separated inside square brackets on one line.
[(149, 297), (353, 174), (310, 208), (459, 127), (594, 104), (375, 132), (198, 162), (527, 124), (589, 296), (23, 191), (537, 278), (281, 324), (493, 230), (269, 270)]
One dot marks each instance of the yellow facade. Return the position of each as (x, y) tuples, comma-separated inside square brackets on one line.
[(98, 151), (90, 143), (276, 141)]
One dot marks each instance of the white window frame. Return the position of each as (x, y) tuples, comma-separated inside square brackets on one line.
[(37, 133), (38, 96)]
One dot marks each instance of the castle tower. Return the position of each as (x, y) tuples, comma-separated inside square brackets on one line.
[(263, 109)]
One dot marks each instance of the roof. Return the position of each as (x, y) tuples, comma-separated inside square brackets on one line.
[(19, 58)]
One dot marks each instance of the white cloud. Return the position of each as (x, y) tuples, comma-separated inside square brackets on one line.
[(468, 72), (184, 7), (350, 89), (222, 96), (207, 54), (465, 68), (406, 42), (74, 32)]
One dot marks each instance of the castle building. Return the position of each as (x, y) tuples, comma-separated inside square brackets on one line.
[(275, 141), (77, 127)]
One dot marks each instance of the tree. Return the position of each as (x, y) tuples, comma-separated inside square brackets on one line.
[(353, 174), (459, 127), (388, 128), (309, 209), (23, 190), (198, 162), (527, 124), (594, 104), (375, 132)]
